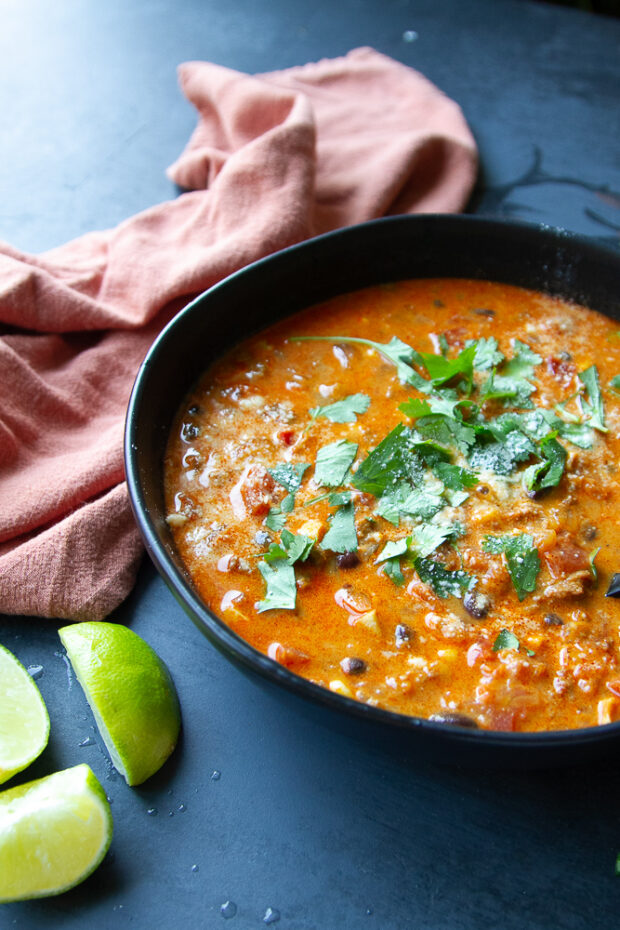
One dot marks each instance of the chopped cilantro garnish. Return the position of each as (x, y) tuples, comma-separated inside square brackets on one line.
[(281, 588), (289, 475), (333, 462), (594, 406), (523, 361), (394, 548), (395, 351), (399, 455), (507, 388), (297, 546), (591, 560), (343, 411), (502, 455), (614, 384), (454, 477), (275, 519), (442, 370), (441, 580), (393, 570), (505, 640), (341, 535), (521, 557), (546, 474), (487, 355), (401, 500)]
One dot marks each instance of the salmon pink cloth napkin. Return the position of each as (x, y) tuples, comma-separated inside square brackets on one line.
[(275, 158)]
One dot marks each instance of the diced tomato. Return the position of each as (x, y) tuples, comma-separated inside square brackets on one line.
[(565, 558), (287, 436)]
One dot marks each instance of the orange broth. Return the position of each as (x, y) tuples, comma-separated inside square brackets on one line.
[(495, 492)]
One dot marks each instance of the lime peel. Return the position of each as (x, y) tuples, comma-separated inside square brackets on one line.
[(24, 721), (130, 692), (54, 832)]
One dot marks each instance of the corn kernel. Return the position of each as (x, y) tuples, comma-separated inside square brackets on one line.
[(313, 529), (369, 620), (339, 687), (607, 710)]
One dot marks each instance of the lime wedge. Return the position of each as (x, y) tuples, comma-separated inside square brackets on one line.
[(24, 723), (53, 833), (131, 694)]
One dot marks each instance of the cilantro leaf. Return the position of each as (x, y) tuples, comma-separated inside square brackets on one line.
[(395, 351), (341, 535), (289, 475), (487, 355), (333, 462), (390, 460), (502, 456), (343, 411), (440, 579), (275, 520), (393, 548), (298, 546), (393, 570), (522, 363), (521, 557), (281, 588), (442, 369), (548, 473), (513, 389), (594, 407), (429, 536), (454, 477), (614, 384), (403, 500), (505, 640)]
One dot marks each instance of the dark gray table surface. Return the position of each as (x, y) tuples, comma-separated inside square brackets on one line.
[(263, 804)]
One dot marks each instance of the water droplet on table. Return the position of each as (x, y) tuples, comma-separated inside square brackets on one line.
[(409, 35), (195, 868), (215, 775), (228, 909), (65, 659), (89, 741), (35, 671), (152, 811), (272, 915), (182, 808)]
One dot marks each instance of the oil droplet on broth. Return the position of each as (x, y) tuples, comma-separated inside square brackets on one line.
[(228, 909)]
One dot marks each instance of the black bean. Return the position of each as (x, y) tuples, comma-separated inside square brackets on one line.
[(438, 303), (347, 560), (477, 604), (482, 489), (553, 620), (353, 666), (454, 719), (402, 634), (194, 409), (484, 311), (589, 532), (614, 586)]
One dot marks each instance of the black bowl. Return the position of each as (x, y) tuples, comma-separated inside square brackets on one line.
[(384, 250)]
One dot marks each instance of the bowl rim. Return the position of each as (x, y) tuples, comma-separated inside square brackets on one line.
[(233, 646)]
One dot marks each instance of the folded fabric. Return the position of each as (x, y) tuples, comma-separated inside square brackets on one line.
[(274, 159)]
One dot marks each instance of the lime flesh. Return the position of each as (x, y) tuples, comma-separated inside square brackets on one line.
[(24, 721), (53, 833), (130, 692)]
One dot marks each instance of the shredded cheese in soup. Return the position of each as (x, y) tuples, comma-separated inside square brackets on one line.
[(410, 495)]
